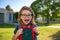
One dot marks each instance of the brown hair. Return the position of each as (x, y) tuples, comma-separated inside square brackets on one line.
[(19, 15)]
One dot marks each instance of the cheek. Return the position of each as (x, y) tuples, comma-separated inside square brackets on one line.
[(30, 19), (21, 17)]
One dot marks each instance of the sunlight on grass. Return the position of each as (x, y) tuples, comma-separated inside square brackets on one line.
[(6, 33), (45, 32), (55, 25)]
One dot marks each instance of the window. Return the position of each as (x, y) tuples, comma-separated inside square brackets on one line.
[(9, 17)]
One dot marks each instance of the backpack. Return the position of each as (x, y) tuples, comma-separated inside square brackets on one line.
[(28, 33)]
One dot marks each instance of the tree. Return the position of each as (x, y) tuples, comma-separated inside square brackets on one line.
[(33, 6), (46, 8), (8, 8), (16, 15)]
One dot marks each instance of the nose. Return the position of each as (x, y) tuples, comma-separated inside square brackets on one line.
[(26, 16)]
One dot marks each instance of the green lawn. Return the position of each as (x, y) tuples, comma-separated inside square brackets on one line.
[(45, 32), (6, 32), (54, 24)]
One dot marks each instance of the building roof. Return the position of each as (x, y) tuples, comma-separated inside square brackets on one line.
[(2, 10)]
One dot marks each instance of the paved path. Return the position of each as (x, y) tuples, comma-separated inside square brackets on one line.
[(54, 26)]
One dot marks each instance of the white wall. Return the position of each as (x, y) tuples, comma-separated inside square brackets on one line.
[(6, 17)]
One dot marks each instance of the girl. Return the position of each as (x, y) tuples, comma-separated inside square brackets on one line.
[(26, 30)]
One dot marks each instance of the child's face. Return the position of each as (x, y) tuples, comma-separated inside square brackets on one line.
[(26, 16)]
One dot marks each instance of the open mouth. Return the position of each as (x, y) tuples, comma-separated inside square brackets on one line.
[(27, 20)]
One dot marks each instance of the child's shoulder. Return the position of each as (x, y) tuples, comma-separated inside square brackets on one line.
[(19, 26), (34, 25)]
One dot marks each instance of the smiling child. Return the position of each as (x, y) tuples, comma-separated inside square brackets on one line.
[(26, 29)]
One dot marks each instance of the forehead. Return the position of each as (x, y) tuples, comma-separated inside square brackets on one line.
[(26, 12)]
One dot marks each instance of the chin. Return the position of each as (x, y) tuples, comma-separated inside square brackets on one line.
[(26, 23)]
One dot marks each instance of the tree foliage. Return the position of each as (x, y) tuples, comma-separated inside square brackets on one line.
[(47, 8), (8, 7), (16, 15)]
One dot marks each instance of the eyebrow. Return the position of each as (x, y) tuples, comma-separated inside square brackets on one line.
[(27, 14)]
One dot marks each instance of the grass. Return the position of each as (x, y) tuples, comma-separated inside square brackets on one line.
[(50, 24), (54, 24), (6, 32), (6, 26), (45, 32)]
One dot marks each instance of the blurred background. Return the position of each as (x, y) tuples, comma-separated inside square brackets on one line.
[(47, 17)]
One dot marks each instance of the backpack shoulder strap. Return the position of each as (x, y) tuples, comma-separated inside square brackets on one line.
[(19, 27), (34, 25), (16, 28)]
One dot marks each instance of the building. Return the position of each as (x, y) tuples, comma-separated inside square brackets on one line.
[(6, 16)]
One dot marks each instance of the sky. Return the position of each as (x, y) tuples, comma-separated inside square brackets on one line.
[(16, 5)]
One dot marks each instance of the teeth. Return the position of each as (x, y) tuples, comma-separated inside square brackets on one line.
[(26, 20)]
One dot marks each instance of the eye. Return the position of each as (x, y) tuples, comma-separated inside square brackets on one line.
[(23, 15)]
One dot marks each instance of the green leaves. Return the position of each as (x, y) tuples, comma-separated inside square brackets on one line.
[(46, 7)]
